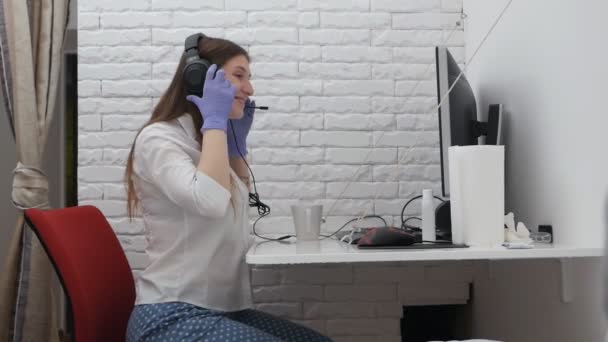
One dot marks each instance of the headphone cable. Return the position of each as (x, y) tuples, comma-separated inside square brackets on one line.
[(254, 198)]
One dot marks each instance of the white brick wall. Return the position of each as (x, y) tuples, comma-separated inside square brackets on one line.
[(341, 77), (359, 302)]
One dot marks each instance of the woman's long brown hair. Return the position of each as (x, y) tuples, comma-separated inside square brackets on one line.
[(173, 103)]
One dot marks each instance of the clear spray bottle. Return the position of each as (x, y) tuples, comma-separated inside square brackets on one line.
[(428, 216)]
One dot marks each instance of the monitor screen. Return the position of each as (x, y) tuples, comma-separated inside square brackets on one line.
[(457, 113)]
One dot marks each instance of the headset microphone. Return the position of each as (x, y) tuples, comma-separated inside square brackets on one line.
[(259, 107)]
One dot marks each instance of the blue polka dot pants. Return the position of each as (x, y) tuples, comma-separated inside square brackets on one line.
[(186, 322)]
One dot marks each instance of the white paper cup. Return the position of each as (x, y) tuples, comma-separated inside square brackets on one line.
[(307, 221)]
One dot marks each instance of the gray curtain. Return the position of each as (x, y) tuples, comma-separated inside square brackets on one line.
[(31, 41)]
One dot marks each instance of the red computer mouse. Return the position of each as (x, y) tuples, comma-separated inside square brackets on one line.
[(386, 236)]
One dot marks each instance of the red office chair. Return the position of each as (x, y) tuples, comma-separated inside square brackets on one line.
[(92, 268)]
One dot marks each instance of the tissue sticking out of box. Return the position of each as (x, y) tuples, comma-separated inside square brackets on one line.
[(522, 231), (521, 234), (510, 222)]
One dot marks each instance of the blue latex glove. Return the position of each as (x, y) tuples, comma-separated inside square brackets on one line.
[(216, 103), (241, 129)]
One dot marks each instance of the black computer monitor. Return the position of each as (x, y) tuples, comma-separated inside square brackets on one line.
[(458, 124)]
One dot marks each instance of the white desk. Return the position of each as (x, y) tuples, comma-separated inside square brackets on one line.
[(333, 251)]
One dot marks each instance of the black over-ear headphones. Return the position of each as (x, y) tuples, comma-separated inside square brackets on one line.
[(196, 67)]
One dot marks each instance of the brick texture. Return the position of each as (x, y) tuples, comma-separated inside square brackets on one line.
[(350, 85)]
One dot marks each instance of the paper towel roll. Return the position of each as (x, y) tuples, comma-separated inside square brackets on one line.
[(477, 188)]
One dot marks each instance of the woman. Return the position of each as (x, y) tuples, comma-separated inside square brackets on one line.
[(187, 177)]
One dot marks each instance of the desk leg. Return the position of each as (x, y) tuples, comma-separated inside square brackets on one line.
[(566, 280)]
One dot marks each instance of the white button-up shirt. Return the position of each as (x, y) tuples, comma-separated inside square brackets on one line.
[(197, 231)]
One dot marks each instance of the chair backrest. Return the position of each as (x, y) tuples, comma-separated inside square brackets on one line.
[(92, 267)]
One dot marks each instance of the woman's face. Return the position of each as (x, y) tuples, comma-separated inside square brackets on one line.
[(237, 72)]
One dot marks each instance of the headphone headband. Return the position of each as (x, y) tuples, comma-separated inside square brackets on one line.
[(192, 41)]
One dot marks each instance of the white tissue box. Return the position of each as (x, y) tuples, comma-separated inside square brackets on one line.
[(477, 191)]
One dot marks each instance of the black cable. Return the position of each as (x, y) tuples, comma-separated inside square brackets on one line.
[(441, 242), (410, 201), (284, 237), (352, 220), (254, 198), (405, 225)]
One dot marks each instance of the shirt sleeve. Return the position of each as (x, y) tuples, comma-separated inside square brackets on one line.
[(161, 161)]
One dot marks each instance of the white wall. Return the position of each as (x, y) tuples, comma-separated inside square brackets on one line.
[(546, 62), (520, 301)]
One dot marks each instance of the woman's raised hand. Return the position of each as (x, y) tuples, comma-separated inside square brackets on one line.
[(216, 103)]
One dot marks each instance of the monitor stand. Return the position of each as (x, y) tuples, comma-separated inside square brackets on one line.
[(443, 221), (492, 129)]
